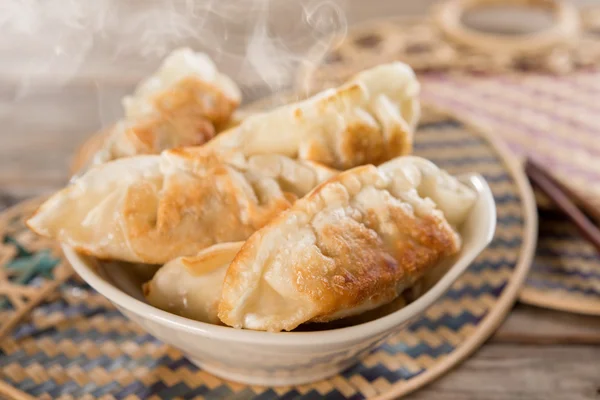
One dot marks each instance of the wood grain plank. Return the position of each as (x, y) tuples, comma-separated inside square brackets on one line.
[(518, 372), (532, 325)]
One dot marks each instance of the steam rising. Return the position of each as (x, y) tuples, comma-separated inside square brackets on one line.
[(256, 42)]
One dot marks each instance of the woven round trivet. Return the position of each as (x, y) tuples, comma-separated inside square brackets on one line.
[(421, 43), (32, 267), (564, 30), (79, 346)]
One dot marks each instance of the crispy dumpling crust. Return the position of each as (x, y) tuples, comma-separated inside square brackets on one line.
[(182, 118), (152, 209), (370, 119), (354, 243), (184, 104)]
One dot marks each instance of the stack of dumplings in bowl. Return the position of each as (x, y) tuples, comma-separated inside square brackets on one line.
[(354, 243), (306, 214), (154, 208)]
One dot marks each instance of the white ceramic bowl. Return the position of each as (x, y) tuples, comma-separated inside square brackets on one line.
[(284, 358)]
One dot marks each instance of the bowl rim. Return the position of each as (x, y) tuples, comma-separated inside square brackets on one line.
[(311, 338)]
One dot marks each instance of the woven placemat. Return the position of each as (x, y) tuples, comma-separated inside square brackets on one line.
[(556, 121), (79, 346), (565, 274)]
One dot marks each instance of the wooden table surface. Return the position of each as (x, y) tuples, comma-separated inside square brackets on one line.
[(536, 354)]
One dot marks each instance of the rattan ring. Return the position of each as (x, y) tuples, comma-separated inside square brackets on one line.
[(563, 32)]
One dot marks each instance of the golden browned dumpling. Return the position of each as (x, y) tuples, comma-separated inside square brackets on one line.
[(182, 104), (354, 243), (152, 209), (370, 119)]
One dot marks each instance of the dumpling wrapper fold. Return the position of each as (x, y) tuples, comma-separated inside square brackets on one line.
[(368, 120), (152, 209), (353, 244), (183, 104), (191, 286)]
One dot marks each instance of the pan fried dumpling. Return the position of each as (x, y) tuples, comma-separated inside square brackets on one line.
[(191, 286), (152, 209), (370, 119), (452, 197), (180, 105), (354, 243)]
